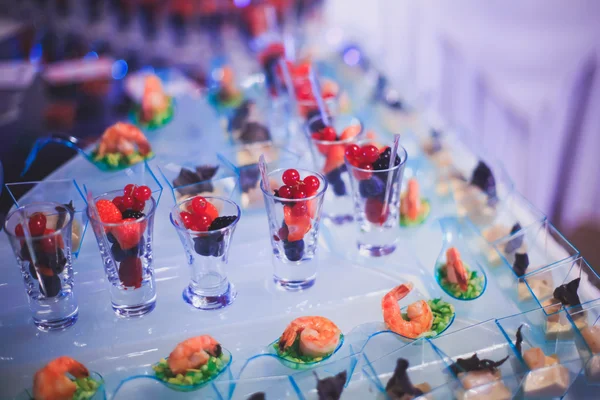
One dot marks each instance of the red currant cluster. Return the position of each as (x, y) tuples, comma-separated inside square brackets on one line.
[(200, 215), (297, 189), (134, 198), (363, 157)]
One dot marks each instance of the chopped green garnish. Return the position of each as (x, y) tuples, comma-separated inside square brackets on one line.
[(425, 210), (86, 388), (293, 353), (192, 377), (474, 284)]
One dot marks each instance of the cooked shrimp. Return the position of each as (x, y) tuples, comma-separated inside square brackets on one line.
[(52, 383), (228, 89), (193, 353), (420, 317), (319, 336), (455, 269), (122, 138), (410, 204), (154, 99)]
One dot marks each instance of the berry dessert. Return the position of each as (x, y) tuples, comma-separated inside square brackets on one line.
[(246, 124), (121, 146), (308, 340), (66, 378), (156, 108), (457, 279), (269, 59), (50, 256), (193, 363), (56, 220), (328, 149), (365, 161), (307, 102), (202, 216), (297, 215), (414, 209), (125, 231), (227, 94)]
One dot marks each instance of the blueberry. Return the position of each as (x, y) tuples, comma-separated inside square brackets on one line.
[(111, 238), (294, 250), (334, 176), (51, 285), (210, 246), (372, 187), (521, 263), (120, 254), (315, 124), (339, 189)]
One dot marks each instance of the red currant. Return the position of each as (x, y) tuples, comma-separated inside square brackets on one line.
[(19, 230), (37, 224), (142, 193), (311, 184), (186, 218), (199, 205), (48, 244), (138, 205), (362, 175), (128, 191), (118, 201), (298, 193), (300, 209), (285, 192), (290, 177), (328, 134), (202, 222), (127, 202), (369, 153), (352, 152)]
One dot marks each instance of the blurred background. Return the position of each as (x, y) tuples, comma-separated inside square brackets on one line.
[(519, 80)]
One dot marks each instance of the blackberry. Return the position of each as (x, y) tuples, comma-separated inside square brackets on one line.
[(221, 222), (383, 162), (133, 214), (521, 263), (315, 124)]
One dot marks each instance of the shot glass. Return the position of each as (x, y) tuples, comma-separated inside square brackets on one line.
[(378, 224), (207, 254), (294, 228), (44, 257), (126, 252), (327, 148)]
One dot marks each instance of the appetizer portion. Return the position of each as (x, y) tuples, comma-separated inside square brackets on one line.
[(434, 148), (308, 340), (421, 318), (547, 378), (457, 279), (564, 295), (156, 108), (400, 387), (414, 209), (247, 124), (121, 146), (52, 382), (193, 363), (227, 95), (331, 388), (477, 197), (499, 231), (481, 378), (203, 216), (591, 335)]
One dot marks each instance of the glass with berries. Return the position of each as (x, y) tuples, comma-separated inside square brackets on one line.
[(205, 226), (40, 235), (374, 184), (328, 144), (307, 106), (293, 200), (123, 222)]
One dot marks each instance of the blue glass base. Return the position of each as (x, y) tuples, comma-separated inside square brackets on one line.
[(203, 302), (57, 325), (134, 311), (375, 251), (294, 285)]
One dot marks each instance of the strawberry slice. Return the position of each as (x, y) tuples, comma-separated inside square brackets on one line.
[(335, 158), (130, 272), (108, 212), (130, 233), (298, 226)]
